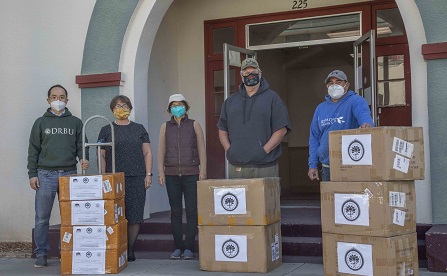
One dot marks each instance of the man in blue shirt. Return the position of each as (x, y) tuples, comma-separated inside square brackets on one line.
[(343, 109)]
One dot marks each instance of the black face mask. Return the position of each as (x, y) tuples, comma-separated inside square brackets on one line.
[(251, 81)]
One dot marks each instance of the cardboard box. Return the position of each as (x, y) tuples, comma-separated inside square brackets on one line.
[(347, 255), (94, 261), (92, 212), (382, 209), (89, 187), (239, 201), (94, 237), (240, 248), (377, 154)]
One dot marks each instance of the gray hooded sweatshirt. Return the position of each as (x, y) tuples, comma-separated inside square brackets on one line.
[(250, 123)]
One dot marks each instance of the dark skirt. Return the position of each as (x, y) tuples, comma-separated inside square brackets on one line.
[(135, 198)]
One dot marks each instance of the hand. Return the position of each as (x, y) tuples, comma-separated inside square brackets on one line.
[(84, 164), (161, 180), (313, 174), (34, 183), (366, 125), (266, 151), (147, 181), (202, 176)]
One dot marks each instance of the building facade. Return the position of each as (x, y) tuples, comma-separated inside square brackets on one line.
[(150, 49)]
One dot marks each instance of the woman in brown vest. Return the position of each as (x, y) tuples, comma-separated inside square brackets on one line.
[(181, 162)]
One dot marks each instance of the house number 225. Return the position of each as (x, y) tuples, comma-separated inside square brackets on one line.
[(299, 4)]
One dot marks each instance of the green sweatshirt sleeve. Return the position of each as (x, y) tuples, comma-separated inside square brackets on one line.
[(79, 142), (34, 148)]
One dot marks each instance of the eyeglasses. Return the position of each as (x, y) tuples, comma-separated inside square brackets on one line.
[(246, 73), (55, 98), (177, 104), (121, 106)]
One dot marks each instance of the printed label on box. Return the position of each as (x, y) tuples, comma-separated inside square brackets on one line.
[(230, 248), (87, 212), (402, 147), (230, 201), (401, 163), (356, 150), (368, 193), (110, 230), (89, 237), (89, 262), (122, 259), (85, 187), (275, 248), (397, 199), (353, 258), (352, 209), (273, 251), (399, 217), (67, 237), (107, 187)]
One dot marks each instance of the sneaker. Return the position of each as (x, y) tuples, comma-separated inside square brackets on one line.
[(188, 255), (176, 254), (41, 261)]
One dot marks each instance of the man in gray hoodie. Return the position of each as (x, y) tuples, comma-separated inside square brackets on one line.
[(252, 123)]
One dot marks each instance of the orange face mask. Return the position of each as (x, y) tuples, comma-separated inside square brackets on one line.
[(121, 114)]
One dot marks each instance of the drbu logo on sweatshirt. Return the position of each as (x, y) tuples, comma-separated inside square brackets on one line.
[(331, 121), (59, 130)]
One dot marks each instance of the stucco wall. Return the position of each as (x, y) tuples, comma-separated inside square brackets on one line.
[(190, 16), (163, 82), (433, 15), (41, 44)]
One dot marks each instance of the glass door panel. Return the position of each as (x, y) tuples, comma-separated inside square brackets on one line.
[(391, 81), (219, 88)]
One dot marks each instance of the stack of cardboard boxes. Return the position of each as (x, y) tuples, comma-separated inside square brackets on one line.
[(239, 225), (368, 208), (93, 224)]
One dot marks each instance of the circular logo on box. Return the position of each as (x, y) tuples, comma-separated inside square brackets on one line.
[(230, 248), (350, 210), (354, 259), (85, 180), (89, 230), (356, 150), (88, 254), (229, 202), (88, 205)]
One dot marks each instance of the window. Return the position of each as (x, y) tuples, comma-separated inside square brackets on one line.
[(391, 81), (308, 31)]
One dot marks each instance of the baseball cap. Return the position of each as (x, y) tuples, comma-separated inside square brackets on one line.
[(177, 98), (336, 74), (249, 62)]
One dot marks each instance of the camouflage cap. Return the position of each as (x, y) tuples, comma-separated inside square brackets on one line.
[(249, 62)]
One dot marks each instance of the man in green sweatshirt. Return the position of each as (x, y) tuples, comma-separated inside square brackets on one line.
[(54, 144)]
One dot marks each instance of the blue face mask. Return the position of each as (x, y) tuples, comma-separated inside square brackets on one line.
[(178, 111)]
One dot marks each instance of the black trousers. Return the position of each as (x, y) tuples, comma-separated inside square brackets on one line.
[(177, 188)]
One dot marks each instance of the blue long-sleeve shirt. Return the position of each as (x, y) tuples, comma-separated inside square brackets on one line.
[(351, 111)]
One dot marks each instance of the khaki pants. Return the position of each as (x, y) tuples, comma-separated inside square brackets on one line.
[(244, 172)]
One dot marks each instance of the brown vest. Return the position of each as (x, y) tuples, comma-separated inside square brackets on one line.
[(182, 155)]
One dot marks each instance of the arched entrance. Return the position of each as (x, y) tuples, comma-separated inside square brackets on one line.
[(140, 37)]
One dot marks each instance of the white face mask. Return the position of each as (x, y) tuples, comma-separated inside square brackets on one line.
[(57, 105), (336, 91)]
